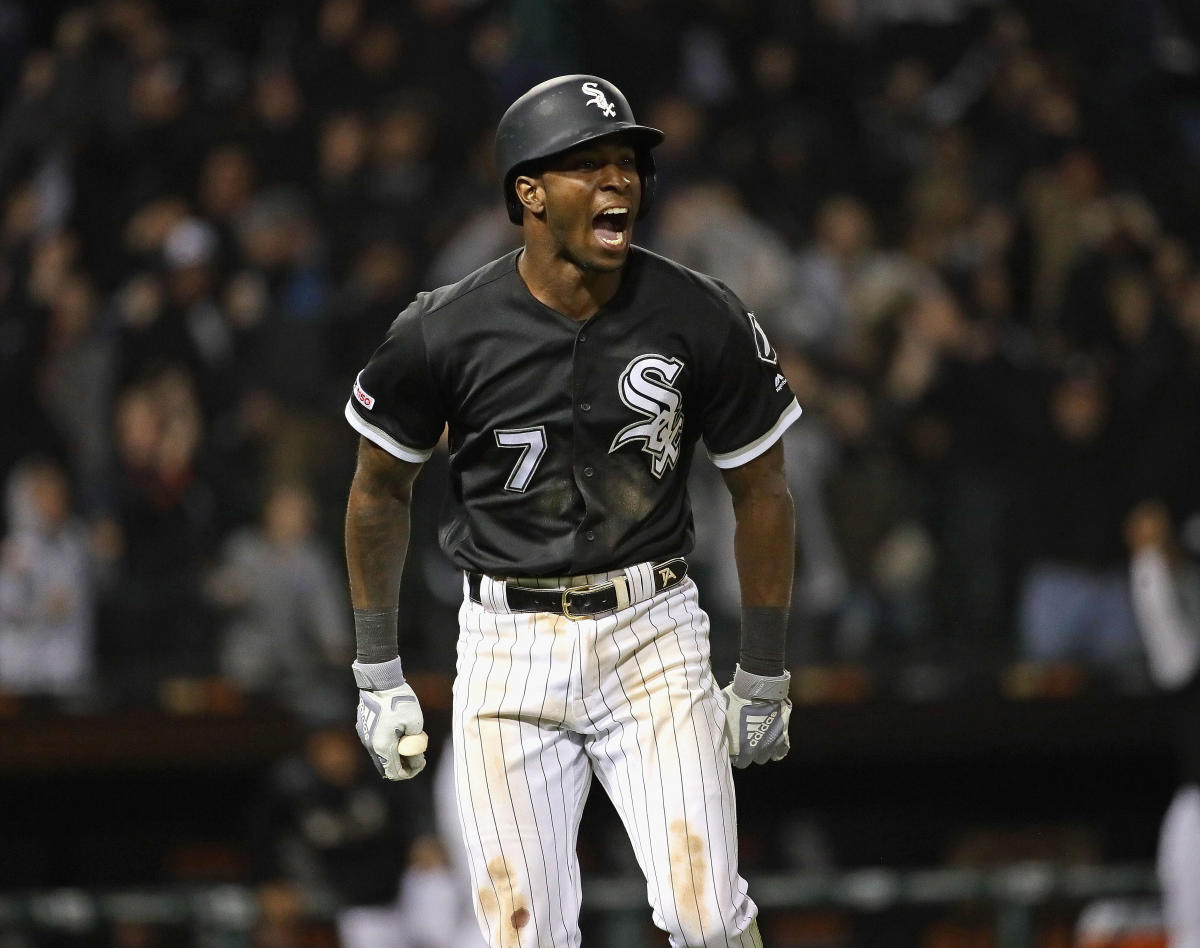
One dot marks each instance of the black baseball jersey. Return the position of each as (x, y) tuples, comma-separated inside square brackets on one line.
[(570, 442)]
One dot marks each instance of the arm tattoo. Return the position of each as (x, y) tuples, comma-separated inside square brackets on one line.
[(377, 527)]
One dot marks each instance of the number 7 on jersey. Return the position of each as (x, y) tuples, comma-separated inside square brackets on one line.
[(532, 443)]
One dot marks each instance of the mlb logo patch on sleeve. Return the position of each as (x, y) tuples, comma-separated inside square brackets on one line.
[(368, 401)]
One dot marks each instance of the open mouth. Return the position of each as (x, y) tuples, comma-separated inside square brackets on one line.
[(611, 226)]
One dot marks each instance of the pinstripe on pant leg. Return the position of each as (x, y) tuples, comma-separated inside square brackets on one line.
[(660, 755), (521, 779)]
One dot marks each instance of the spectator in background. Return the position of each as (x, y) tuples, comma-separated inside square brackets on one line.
[(886, 149), (326, 61), (285, 614), (46, 587), (841, 282), (1055, 201), (885, 548), (325, 824), (154, 309), (21, 329), (278, 133), (402, 170), (687, 149), (1074, 599), (821, 582), (706, 226), (190, 281), (379, 277), (339, 187), (165, 513), (898, 126), (75, 384), (1166, 600), (966, 430), (280, 240), (467, 228), (225, 186)]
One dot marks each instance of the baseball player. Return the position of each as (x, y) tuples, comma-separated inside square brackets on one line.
[(1165, 584), (576, 376)]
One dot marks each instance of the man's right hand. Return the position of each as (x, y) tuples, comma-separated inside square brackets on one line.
[(384, 716)]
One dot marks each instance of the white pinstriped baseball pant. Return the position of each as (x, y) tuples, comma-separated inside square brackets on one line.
[(541, 703)]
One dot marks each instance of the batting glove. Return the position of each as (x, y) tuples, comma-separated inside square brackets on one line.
[(757, 711), (387, 711)]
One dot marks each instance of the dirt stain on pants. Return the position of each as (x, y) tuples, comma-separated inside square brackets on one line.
[(503, 906)]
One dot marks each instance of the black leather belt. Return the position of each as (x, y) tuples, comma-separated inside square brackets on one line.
[(578, 602)]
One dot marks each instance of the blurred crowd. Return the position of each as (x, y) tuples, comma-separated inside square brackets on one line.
[(970, 228)]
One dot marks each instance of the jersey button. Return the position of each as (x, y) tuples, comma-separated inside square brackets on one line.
[(585, 406), (583, 337), (590, 535), (589, 471)]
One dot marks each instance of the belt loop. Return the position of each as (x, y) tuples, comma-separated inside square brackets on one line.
[(493, 592), (641, 581), (621, 588), (646, 575)]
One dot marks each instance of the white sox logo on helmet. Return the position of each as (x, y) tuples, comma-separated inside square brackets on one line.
[(646, 388), (597, 98)]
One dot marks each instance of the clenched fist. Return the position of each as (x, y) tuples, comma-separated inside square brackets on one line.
[(757, 711), (390, 720)]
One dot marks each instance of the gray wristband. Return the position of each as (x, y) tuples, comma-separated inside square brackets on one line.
[(754, 687), (375, 634), (378, 676)]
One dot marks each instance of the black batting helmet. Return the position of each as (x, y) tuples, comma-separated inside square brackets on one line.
[(561, 113)]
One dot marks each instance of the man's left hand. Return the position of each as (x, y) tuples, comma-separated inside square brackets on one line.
[(757, 711)]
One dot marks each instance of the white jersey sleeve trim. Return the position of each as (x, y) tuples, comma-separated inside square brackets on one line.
[(749, 452), (384, 440)]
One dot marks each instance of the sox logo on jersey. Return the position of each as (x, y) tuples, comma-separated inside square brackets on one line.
[(646, 388)]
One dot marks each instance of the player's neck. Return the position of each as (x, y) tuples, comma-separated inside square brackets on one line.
[(565, 287)]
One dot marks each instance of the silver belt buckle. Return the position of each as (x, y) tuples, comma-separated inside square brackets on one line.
[(566, 608)]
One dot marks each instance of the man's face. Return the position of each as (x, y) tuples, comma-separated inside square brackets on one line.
[(592, 195)]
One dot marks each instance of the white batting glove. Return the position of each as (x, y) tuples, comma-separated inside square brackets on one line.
[(757, 711), (388, 711)]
